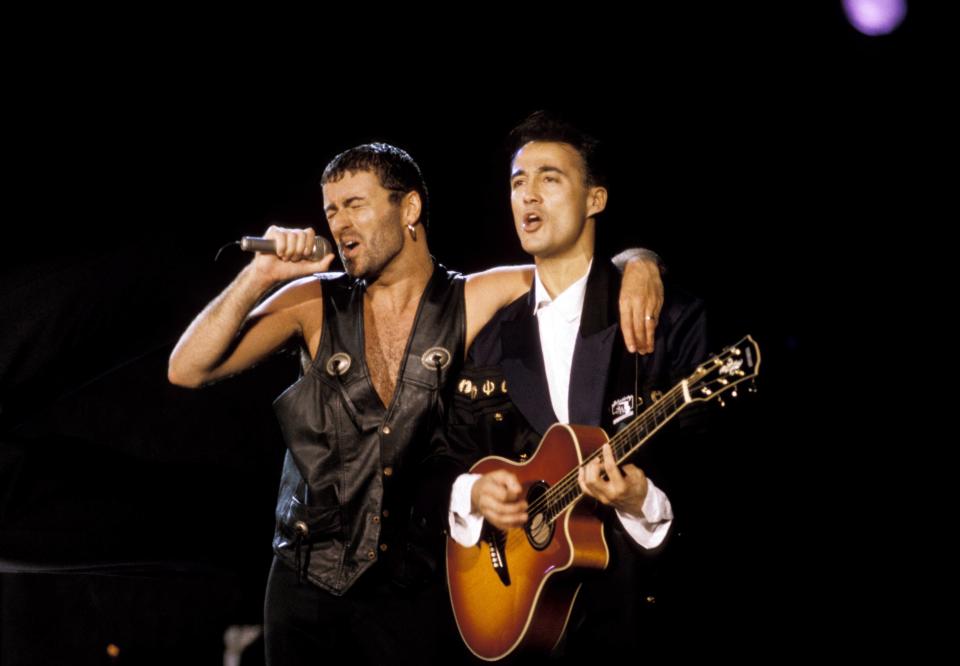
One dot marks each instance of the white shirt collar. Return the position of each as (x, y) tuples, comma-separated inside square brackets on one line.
[(569, 303)]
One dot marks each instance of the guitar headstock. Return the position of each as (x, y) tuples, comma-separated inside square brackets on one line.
[(722, 373)]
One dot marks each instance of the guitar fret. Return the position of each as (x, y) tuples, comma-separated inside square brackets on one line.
[(636, 433), (558, 498)]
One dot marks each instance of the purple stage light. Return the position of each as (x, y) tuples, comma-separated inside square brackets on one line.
[(875, 17)]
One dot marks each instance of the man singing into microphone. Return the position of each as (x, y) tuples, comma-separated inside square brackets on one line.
[(381, 344)]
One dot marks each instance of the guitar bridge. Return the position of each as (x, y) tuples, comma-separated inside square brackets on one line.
[(496, 541)]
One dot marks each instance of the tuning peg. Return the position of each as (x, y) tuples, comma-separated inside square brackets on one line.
[(720, 400), (733, 393), (753, 386)]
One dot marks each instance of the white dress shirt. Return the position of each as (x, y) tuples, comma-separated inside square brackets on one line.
[(559, 324)]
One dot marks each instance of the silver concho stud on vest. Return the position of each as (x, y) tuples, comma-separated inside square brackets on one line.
[(436, 356), (338, 364)]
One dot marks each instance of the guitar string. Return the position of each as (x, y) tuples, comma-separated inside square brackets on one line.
[(565, 484), (649, 420), (569, 483)]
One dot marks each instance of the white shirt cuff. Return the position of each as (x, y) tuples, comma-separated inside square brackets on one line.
[(650, 528), (465, 527)]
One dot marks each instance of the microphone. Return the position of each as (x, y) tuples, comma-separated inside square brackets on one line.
[(321, 246)]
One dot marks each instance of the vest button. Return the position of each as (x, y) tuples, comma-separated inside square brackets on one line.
[(383, 547), (385, 430), (651, 599), (371, 555), (376, 520), (386, 513), (388, 471), (498, 417)]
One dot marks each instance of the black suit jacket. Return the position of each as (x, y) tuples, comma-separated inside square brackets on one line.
[(502, 407), (502, 404)]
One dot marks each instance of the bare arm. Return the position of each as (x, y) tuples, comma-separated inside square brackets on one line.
[(487, 292), (229, 336), (641, 296)]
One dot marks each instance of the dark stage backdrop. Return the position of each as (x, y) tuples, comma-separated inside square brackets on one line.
[(760, 152)]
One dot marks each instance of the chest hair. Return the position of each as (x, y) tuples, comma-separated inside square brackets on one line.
[(386, 335)]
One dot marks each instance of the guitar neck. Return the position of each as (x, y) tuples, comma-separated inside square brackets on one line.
[(719, 375), (631, 438), (624, 443)]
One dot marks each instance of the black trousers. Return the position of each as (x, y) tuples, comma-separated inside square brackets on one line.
[(375, 622)]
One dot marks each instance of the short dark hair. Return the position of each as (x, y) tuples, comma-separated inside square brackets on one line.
[(550, 126), (394, 167)]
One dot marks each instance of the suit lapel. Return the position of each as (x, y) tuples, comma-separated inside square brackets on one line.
[(588, 376), (525, 373), (594, 347), (522, 356)]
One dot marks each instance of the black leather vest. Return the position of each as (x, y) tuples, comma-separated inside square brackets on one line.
[(350, 477)]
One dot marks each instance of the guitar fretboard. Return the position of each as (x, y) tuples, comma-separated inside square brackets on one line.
[(567, 491)]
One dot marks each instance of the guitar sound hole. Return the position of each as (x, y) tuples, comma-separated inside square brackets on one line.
[(539, 528)]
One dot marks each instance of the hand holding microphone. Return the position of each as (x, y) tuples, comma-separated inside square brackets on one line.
[(288, 253), (321, 247)]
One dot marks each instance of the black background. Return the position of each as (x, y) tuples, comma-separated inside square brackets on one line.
[(774, 157)]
